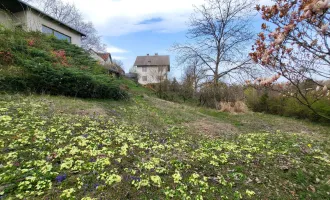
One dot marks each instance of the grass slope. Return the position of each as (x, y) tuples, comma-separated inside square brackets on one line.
[(146, 148), (32, 62)]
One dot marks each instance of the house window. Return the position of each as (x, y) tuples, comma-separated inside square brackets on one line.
[(57, 34), (47, 30), (144, 69), (61, 36), (144, 78), (160, 69)]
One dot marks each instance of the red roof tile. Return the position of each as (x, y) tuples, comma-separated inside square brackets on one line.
[(104, 56)]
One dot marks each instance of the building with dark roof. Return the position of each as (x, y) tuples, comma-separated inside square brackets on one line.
[(16, 13), (152, 69)]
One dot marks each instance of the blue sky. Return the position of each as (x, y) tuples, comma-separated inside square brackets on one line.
[(145, 42), (132, 28), (150, 42)]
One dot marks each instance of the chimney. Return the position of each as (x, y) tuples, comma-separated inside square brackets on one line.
[(156, 54), (147, 54)]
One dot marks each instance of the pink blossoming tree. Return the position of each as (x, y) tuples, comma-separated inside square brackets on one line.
[(295, 45)]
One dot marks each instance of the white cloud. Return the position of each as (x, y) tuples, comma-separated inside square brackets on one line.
[(114, 18), (119, 58), (120, 17), (113, 49)]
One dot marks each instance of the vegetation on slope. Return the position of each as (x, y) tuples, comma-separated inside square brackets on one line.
[(34, 62), (272, 102), (56, 147)]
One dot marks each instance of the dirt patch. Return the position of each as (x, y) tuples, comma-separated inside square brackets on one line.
[(211, 129), (234, 107)]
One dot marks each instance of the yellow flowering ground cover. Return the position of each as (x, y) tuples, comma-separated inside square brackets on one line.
[(52, 154)]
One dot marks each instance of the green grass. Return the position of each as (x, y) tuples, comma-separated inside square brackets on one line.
[(260, 122), (147, 148), (32, 62), (136, 88)]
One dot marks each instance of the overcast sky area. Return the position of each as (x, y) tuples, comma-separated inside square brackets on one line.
[(132, 28)]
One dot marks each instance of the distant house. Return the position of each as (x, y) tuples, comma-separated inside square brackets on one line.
[(102, 58), (105, 59), (18, 14), (152, 69)]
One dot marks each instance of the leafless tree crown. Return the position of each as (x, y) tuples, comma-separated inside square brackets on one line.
[(220, 31)]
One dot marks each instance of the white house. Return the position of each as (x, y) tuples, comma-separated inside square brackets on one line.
[(102, 58), (105, 59), (152, 69), (16, 13)]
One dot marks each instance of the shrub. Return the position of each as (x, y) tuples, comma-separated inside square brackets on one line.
[(210, 95), (52, 66), (6, 58), (274, 103), (234, 107)]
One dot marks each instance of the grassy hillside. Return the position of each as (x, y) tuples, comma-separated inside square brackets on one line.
[(57, 147), (146, 148), (34, 62)]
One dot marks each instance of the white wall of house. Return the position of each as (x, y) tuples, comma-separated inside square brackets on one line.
[(10, 20), (151, 74), (97, 57), (108, 62), (32, 21), (5, 19), (35, 22)]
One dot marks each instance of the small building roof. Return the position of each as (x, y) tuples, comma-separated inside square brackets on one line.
[(19, 5), (105, 56), (155, 60)]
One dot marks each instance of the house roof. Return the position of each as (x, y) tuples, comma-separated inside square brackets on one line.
[(105, 56), (152, 61), (19, 5)]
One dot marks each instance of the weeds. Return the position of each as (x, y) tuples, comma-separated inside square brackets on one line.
[(49, 154)]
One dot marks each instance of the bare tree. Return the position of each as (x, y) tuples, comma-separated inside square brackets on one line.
[(133, 69), (64, 12), (118, 63), (195, 73), (219, 30), (69, 14), (92, 39)]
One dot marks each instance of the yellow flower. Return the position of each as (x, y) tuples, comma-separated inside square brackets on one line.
[(177, 177), (157, 180), (88, 198), (250, 193), (67, 193), (5, 118), (113, 179)]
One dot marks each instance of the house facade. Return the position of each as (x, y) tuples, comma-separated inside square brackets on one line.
[(18, 14), (152, 69), (105, 59)]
